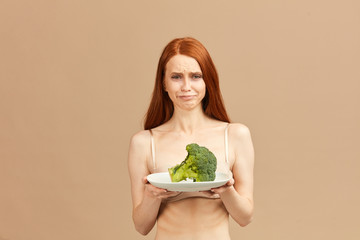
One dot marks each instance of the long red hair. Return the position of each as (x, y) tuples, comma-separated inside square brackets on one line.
[(161, 107)]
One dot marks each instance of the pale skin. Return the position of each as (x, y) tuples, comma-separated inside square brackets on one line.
[(195, 217)]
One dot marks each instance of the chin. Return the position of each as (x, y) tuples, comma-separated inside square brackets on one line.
[(189, 106)]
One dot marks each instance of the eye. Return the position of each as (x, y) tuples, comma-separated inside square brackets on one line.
[(176, 77), (197, 76)]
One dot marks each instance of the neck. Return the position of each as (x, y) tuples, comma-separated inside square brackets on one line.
[(188, 121)]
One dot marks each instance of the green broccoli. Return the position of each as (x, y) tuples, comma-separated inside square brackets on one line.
[(199, 165)]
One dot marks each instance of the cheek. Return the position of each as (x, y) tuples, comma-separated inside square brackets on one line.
[(167, 86), (201, 87), (171, 89)]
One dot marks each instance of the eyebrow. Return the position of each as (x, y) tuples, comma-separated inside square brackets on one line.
[(182, 73)]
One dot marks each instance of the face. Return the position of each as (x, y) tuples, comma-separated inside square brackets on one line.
[(184, 83)]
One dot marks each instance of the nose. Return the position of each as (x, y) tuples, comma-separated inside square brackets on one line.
[(186, 86)]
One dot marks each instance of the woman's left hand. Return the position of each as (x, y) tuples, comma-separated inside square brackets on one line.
[(224, 188)]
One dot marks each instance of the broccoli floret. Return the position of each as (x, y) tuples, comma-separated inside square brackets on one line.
[(199, 165)]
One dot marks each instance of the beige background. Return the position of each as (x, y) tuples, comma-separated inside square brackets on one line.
[(76, 79)]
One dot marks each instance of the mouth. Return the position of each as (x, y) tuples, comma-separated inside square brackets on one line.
[(186, 97)]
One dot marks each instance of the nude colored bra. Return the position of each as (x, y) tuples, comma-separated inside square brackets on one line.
[(183, 195)]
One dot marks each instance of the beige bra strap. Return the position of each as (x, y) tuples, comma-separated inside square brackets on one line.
[(152, 144), (226, 144)]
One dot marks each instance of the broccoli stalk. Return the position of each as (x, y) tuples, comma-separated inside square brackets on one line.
[(199, 165)]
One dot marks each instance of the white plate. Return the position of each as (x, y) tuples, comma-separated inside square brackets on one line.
[(162, 180)]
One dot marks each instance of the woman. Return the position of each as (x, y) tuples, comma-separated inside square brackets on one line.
[(187, 107)]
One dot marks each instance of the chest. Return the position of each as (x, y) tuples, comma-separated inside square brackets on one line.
[(170, 149)]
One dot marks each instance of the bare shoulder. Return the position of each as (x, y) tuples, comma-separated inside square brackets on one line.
[(139, 151), (240, 139), (239, 131), (241, 142), (140, 139)]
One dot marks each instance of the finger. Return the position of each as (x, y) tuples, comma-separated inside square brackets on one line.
[(230, 182), (152, 188), (209, 193), (168, 194), (160, 193), (145, 180), (157, 193), (221, 188), (173, 193), (217, 190)]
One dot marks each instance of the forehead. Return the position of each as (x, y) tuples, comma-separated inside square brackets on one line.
[(182, 63)]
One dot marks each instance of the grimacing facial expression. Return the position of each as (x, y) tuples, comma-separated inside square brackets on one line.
[(184, 83)]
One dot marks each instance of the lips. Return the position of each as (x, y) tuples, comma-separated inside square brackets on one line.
[(186, 97)]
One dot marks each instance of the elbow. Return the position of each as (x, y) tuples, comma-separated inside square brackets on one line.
[(247, 216), (246, 221), (142, 230)]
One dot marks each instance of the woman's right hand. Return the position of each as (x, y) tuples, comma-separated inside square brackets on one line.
[(158, 193)]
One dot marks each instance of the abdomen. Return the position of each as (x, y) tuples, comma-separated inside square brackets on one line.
[(193, 218)]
